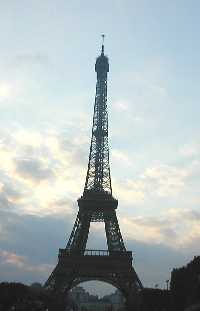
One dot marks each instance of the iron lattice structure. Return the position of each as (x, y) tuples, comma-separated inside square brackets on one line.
[(97, 203), (98, 177), (75, 263)]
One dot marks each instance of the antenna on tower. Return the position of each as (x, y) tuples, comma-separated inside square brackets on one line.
[(102, 48)]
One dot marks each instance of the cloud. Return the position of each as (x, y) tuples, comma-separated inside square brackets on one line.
[(128, 193), (121, 157), (46, 161), (157, 182), (12, 262), (12, 259), (11, 195), (11, 192), (34, 169), (29, 244), (42, 174), (165, 180), (5, 90), (10, 89), (76, 148), (33, 257), (122, 105), (176, 228)]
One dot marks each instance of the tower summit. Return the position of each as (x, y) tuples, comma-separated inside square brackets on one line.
[(75, 263)]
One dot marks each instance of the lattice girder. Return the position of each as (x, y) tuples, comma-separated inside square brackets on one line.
[(98, 174)]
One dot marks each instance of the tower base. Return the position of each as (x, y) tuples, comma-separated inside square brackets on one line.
[(114, 268)]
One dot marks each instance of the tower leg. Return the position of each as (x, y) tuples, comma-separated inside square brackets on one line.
[(78, 238), (113, 234)]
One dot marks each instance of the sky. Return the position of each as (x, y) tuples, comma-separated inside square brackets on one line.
[(47, 88)]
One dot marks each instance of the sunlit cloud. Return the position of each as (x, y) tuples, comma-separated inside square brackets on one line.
[(6, 90), (10, 90), (41, 168), (175, 228), (166, 180), (158, 181), (39, 171), (128, 193), (12, 259), (21, 263), (122, 105), (121, 157)]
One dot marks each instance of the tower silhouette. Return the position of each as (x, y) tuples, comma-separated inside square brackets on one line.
[(97, 204)]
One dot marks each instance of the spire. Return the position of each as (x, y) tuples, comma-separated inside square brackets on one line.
[(102, 47)]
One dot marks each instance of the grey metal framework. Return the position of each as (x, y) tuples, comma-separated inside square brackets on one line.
[(98, 174), (75, 263)]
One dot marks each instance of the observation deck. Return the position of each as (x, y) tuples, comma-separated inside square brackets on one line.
[(94, 252), (96, 261)]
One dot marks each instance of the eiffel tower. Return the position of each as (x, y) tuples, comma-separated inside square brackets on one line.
[(76, 264)]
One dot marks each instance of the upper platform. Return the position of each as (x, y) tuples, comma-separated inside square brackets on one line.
[(102, 66), (97, 200)]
